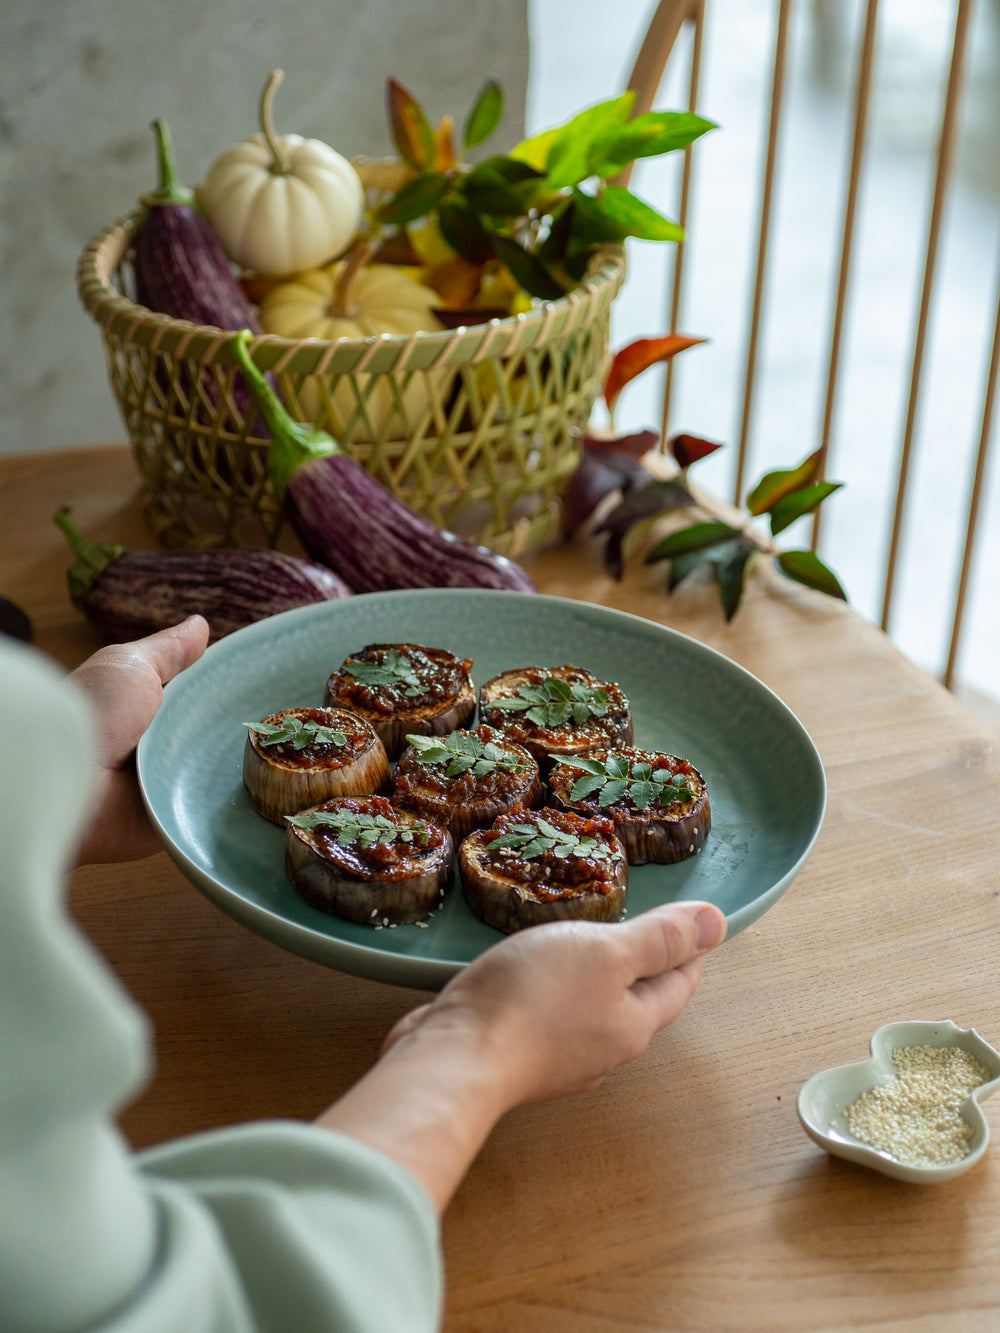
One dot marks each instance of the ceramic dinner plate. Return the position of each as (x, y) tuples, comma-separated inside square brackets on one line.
[(764, 776)]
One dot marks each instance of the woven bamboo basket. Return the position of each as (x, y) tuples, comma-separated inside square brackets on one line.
[(478, 427)]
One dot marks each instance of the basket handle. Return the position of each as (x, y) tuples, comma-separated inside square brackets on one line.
[(657, 45)]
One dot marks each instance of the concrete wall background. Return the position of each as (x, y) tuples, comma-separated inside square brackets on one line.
[(81, 82)]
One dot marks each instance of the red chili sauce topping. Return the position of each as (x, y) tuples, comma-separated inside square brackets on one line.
[(430, 782), (413, 678), (392, 861), (359, 737), (550, 876)]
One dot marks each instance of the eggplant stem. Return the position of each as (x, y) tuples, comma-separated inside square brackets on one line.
[(92, 558), (280, 165), (169, 190), (292, 442)]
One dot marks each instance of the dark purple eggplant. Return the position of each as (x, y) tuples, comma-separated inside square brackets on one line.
[(181, 270), (128, 594), (347, 519)]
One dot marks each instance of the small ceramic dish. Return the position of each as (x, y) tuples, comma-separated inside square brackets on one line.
[(824, 1098)]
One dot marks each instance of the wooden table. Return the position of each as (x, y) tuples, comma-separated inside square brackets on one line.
[(682, 1194)]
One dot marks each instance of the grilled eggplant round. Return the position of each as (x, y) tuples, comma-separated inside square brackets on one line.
[(466, 779), (556, 711), (535, 866), (405, 688), (659, 804), (362, 859), (299, 757)]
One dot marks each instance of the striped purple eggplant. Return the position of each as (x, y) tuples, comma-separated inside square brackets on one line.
[(128, 594), (347, 519)]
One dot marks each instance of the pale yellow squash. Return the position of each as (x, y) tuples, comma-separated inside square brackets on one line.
[(344, 301)]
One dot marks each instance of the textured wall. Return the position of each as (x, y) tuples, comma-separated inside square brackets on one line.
[(80, 83)]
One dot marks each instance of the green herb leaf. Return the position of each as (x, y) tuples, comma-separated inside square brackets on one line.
[(698, 537), (462, 750), (527, 269), (394, 670), (806, 567), (297, 732), (354, 828), (555, 701), (636, 217), (617, 777), (791, 507), (732, 576), (529, 841), (485, 115), (569, 155), (418, 196), (648, 135)]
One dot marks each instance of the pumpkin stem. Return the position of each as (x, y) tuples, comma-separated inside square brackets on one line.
[(341, 306), (279, 165)]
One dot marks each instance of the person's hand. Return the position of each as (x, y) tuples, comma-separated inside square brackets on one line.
[(550, 1010), (124, 683), (558, 1007)]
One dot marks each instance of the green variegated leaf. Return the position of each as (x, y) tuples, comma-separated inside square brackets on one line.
[(774, 486), (485, 115), (794, 506), (698, 537), (413, 200), (568, 159), (636, 217), (806, 567), (648, 135)]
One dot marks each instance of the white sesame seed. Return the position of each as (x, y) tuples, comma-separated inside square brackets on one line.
[(915, 1118)]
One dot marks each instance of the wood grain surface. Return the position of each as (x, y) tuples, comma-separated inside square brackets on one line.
[(682, 1194)]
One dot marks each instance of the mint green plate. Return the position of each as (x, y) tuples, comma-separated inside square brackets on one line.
[(764, 776)]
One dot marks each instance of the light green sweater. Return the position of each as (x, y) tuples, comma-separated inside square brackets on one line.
[(277, 1226)]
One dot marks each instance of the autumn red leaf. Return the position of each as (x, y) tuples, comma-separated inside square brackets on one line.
[(411, 131), (638, 356), (688, 449)]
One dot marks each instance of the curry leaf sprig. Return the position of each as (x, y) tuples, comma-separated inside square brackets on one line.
[(354, 828), (394, 670), (462, 751), (298, 732), (555, 702), (529, 210), (530, 840), (608, 781)]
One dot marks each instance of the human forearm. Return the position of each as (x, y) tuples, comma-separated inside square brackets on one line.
[(430, 1103)]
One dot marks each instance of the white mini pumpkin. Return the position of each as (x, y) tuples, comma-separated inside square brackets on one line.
[(352, 300), (280, 203)]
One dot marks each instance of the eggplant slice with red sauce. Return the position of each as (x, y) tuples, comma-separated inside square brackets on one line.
[(659, 803), (299, 757), (535, 866), (361, 859), (404, 688), (556, 711), (466, 779)]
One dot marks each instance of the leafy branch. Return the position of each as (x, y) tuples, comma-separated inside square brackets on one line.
[(715, 541), (462, 751), (555, 702), (530, 840), (541, 211), (297, 732), (357, 829), (617, 778)]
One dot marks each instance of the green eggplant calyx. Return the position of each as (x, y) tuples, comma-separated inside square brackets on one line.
[(170, 189), (292, 442), (92, 558)]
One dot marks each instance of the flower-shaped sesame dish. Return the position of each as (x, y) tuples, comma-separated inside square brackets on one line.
[(912, 1110)]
